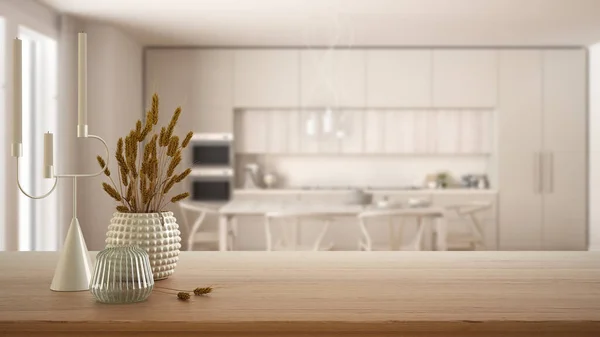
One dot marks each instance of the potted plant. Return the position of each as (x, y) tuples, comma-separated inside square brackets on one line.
[(148, 170)]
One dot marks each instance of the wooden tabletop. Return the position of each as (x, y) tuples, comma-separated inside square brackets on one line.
[(325, 294)]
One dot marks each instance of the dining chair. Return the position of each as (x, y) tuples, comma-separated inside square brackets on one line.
[(195, 234), (468, 213), (396, 221), (288, 236)]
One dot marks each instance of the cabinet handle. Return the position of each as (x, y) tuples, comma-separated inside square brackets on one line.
[(537, 173), (551, 172)]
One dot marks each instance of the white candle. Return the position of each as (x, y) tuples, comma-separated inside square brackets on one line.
[(17, 87), (48, 149), (82, 80), (48, 154)]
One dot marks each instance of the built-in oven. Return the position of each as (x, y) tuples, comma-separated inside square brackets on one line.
[(211, 184), (212, 150)]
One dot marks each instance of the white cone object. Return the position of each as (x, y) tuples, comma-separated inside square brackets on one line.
[(74, 269)]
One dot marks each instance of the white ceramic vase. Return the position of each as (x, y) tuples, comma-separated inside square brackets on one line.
[(156, 233)]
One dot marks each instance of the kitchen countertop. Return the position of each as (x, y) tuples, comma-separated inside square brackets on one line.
[(429, 294), (466, 191)]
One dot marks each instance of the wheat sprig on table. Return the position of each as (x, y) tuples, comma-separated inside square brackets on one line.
[(184, 295)]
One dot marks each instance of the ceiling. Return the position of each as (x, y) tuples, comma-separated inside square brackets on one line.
[(348, 22)]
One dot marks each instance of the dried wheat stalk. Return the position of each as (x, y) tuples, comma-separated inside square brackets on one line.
[(147, 162)]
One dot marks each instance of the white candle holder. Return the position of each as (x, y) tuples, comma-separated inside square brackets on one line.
[(73, 271)]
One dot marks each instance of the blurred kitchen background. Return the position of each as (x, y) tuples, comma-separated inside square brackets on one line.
[(433, 103)]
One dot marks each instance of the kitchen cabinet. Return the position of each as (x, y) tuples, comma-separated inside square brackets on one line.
[(394, 137), (542, 149), (212, 90), (519, 119), (464, 78), (374, 124), (278, 131), (333, 78), (266, 78), (352, 122), (168, 75), (309, 126), (200, 81), (399, 78), (267, 131), (565, 150), (251, 131)]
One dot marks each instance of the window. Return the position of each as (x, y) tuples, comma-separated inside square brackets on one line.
[(38, 229)]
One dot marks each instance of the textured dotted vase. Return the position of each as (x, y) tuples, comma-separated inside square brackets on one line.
[(156, 233)]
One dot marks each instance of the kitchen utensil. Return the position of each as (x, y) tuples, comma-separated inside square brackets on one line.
[(359, 197), (269, 179)]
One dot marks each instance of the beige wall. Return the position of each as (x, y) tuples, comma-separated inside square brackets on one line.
[(114, 105)]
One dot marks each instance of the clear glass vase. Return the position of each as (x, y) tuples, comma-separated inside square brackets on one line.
[(122, 275)]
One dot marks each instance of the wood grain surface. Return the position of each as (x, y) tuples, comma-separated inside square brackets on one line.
[(324, 294)]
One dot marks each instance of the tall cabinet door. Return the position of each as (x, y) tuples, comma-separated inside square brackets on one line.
[(168, 75), (519, 117), (266, 78), (212, 90), (565, 148), (332, 78), (200, 81)]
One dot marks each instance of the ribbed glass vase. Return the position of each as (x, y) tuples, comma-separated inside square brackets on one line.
[(122, 275)]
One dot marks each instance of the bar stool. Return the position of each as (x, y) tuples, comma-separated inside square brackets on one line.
[(473, 238), (195, 235), (396, 227), (288, 237)]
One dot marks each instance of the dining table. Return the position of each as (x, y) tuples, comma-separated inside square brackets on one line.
[(231, 211)]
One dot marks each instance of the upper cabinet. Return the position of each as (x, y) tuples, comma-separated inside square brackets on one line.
[(168, 75), (266, 78), (399, 78), (200, 81), (212, 93), (333, 78), (464, 78)]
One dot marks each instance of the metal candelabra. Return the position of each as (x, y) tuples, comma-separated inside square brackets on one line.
[(73, 272)]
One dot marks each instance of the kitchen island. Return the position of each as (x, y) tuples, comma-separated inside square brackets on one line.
[(324, 294)]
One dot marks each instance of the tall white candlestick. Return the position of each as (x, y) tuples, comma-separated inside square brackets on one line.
[(48, 154), (17, 103), (82, 86)]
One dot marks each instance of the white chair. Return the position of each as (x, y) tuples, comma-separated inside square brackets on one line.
[(473, 238), (289, 231), (396, 222), (195, 235)]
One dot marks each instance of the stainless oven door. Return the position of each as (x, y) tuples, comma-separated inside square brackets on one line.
[(211, 185), (211, 154), (212, 150)]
